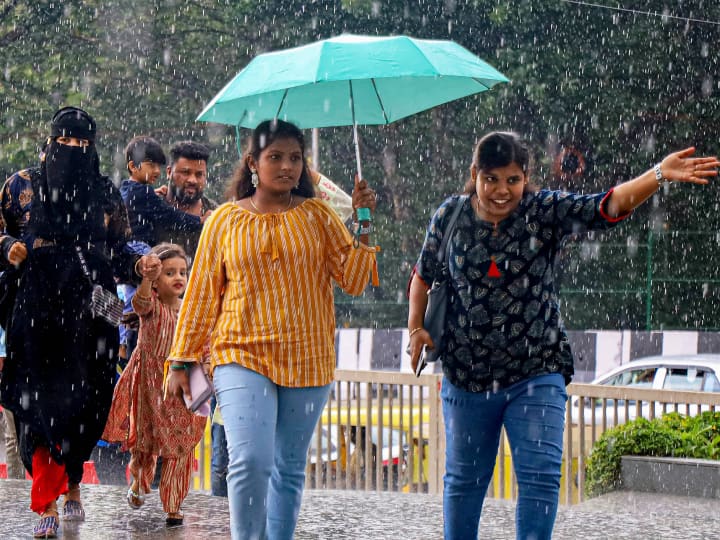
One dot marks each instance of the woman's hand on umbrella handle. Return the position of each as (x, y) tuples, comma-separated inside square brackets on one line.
[(363, 196)]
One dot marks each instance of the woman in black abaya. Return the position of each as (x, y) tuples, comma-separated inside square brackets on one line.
[(59, 375)]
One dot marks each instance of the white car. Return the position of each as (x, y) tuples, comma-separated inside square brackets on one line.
[(685, 373)]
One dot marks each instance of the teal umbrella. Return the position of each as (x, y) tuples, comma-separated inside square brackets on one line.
[(350, 80)]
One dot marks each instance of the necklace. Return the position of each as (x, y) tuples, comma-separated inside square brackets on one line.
[(261, 212), (476, 206)]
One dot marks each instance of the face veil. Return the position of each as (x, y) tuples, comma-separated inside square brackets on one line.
[(67, 203)]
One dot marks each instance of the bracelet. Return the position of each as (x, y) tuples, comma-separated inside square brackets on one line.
[(659, 175), (415, 331), (363, 214), (180, 367), (136, 268), (359, 229), (141, 297)]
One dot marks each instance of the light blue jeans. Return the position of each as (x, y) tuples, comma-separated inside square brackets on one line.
[(219, 459), (268, 429), (533, 413)]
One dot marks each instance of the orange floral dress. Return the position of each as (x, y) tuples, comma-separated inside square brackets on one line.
[(141, 418)]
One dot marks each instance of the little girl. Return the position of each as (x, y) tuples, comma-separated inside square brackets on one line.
[(141, 418)]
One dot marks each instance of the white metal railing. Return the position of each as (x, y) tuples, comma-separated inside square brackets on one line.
[(379, 431), (384, 431)]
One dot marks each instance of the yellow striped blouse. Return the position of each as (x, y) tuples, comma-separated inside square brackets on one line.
[(261, 289)]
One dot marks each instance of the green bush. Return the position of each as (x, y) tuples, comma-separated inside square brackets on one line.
[(672, 435)]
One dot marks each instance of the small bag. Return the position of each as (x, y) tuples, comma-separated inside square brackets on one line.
[(201, 390), (103, 303), (439, 293), (106, 305)]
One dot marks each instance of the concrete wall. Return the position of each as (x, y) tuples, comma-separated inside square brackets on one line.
[(682, 477), (596, 352)]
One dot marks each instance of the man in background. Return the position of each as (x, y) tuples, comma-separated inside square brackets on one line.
[(187, 180)]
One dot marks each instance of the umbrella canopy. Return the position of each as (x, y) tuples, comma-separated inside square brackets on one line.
[(350, 80)]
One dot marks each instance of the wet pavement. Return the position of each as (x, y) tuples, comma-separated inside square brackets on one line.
[(334, 514)]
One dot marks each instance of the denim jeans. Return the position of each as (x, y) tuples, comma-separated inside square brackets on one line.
[(533, 413), (219, 459), (268, 429)]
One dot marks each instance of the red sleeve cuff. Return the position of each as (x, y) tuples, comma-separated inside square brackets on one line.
[(414, 273), (605, 215)]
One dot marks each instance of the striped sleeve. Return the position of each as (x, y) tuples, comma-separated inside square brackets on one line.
[(201, 305), (349, 266)]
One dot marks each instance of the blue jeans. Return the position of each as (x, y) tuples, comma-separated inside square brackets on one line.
[(268, 429), (533, 413), (219, 459)]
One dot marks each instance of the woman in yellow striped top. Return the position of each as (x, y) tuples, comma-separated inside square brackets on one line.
[(261, 290)]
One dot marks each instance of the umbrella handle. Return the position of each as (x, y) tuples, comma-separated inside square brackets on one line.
[(363, 214), (356, 140)]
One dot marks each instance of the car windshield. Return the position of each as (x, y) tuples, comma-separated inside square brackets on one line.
[(638, 377), (711, 383), (642, 377)]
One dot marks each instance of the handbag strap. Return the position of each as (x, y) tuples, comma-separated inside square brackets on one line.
[(84, 265), (443, 252)]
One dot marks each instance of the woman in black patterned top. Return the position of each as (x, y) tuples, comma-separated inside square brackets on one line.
[(507, 359)]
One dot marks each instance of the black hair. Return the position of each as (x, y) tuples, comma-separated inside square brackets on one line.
[(189, 150), (166, 250), (144, 148), (263, 135), (500, 149)]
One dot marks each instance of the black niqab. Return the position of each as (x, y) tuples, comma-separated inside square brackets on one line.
[(68, 199)]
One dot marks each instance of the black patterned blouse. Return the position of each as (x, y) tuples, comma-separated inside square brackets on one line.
[(503, 320)]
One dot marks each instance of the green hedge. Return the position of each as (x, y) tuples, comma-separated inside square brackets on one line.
[(672, 435)]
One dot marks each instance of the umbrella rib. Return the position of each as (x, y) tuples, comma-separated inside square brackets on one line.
[(352, 102), (382, 105), (485, 86), (282, 102)]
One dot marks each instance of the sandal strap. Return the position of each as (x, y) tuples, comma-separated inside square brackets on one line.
[(73, 509), (132, 496), (47, 525)]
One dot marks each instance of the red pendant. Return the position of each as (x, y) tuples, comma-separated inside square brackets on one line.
[(494, 271)]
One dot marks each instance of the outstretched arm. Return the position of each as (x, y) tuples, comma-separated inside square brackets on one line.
[(677, 167)]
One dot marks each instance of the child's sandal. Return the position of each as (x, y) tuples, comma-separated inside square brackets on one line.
[(174, 519), (135, 500)]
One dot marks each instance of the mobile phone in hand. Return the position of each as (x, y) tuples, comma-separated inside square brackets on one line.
[(421, 363)]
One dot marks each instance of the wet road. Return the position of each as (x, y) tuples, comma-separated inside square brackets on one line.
[(369, 515)]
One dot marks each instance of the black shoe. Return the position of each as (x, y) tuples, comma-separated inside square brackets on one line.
[(174, 521)]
